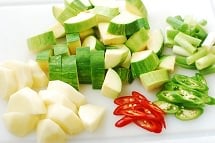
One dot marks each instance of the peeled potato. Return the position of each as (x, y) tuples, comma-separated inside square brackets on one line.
[(20, 124), (8, 84), (27, 101), (40, 80), (22, 72), (52, 96), (66, 118), (75, 96), (50, 132), (91, 116)]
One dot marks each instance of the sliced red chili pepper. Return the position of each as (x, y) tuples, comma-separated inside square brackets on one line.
[(120, 108), (125, 99), (152, 106), (139, 96), (150, 125), (124, 121)]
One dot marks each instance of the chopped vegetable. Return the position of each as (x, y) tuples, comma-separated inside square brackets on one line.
[(139, 110)]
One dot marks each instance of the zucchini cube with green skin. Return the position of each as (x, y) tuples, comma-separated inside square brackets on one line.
[(143, 62), (42, 59), (136, 7), (127, 24), (77, 5), (83, 64), (168, 63), (55, 63), (97, 68), (108, 38), (61, 49), (104, 14), (69, 71), (41, 42), (154, 79), (80, 22), (58, 30), (93, 43), (138, 41), (73, 42)]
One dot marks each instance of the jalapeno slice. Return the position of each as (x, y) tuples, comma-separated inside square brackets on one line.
[(189, 82), (188, 114), (170, 96), (167, 107)]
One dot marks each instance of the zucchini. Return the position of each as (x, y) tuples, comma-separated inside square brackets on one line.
[(109, 3), (154, 79), (73, 42), (42, 59), (104, 14), (41, 42), (138, 41), (58, 30), (55, 63), (144, 61), (97, 68), (69, 71), (86, 33), (136, 7), (76, 5), (83, 21), (156, 41), (114, 57), (108, 38), (127, 62), (93, 43), (168, 63), (124, 74), (83, 64), (127, 24), (87, 4), (112, 84), (61, 49)]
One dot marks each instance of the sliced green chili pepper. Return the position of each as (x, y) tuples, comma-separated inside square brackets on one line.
[(189, 82), (170, 96), (188, 96), (188, 114), (199, 77), (167, 107)]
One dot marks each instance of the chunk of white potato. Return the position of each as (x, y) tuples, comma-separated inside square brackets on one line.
[(8, 84), (66, 118), (53, 96), (26, 100), (40, 80), (22, 72), (50, 132), (91, 116), (75, 96), (20, 124)]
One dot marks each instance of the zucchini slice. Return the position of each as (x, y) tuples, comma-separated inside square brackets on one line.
[(83, 21), (69, 71), (144, 61), (61, 49), (154, 79), (168, 63), (136, 7), (108, 38), (97, 68), (73, 42), (138, 41), (93, 43), (156, 41), (58, 30), (41, 42), (83, 64), (42, 59), (55, 63), (127, 24)]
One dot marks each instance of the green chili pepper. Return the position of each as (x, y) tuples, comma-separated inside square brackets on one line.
[(170, 96), (167, 107), (199, 77), (189, 82), (188, 114)]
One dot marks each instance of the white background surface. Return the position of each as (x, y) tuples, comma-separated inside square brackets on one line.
[(23, 18)]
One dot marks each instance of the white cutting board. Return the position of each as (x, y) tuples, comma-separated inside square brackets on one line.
[(21, 19)]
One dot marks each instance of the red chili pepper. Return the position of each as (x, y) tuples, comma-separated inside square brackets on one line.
[(125, 99), (124, 121), (150, 125), (138, 109)]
